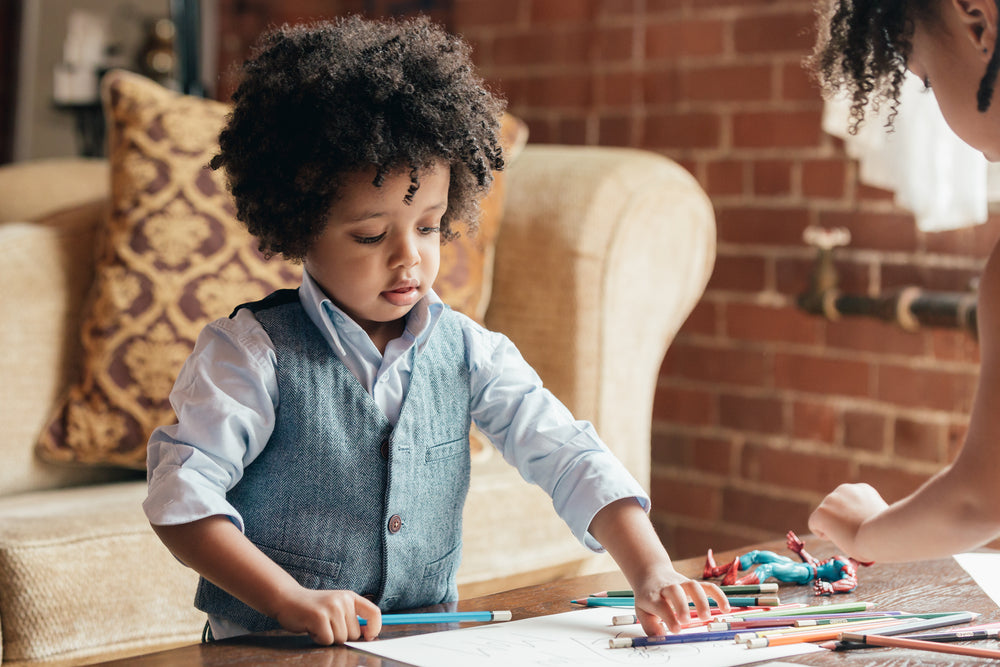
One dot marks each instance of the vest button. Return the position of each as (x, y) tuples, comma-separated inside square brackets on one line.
[(384, 449), (395, 523), (369, 596)]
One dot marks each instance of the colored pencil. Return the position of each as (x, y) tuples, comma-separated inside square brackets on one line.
[(442, 617), (920, 645), (827, 632), (896, 628), (808, 610), (734, 589), (762, 601), (970, 633), (661, 640), (800, 621), (805, 635)]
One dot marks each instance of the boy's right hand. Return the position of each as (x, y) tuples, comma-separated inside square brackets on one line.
[(841, 514), (329, 617)]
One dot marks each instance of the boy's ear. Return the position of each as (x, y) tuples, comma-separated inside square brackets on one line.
[(979, 19)]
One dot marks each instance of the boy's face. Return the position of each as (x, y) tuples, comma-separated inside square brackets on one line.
[(948, 54), (377, 255)]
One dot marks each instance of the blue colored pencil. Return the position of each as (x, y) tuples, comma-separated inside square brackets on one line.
[(660, 640), (442, 617)]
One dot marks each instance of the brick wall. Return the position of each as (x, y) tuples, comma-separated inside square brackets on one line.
[(760, 409)]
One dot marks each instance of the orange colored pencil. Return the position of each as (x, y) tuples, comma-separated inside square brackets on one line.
[(807, 635), (920, 645)]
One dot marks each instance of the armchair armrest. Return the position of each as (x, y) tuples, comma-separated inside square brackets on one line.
[(602, 254)]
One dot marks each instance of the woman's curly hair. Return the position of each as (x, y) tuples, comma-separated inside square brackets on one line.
[(318, 101), (863, 48)]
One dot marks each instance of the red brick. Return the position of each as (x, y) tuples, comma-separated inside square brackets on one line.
[(797, 84), (870, 335), (717, 365), (565, 91), (866, 431), (740, 274), (764, 512), (695, 407), (476, 12), (703, 319), (930, 278), (772, 177), (571, 130), (776, 129), (891, 482), (615, 131), (815, 421), (824, 375), (748, 321), (726, 177), (753, 414), (618, 7), (772, 33), (620, 89), (954, 345), (922, 440), (682, 130), (684, 38), (793, 469), (727, 83), (684, 450), (761, 226), (692, 540), (874, 231), (824, 178), (956, 439), (870, 193), (950, 391), (544, 11), (687, 497), (615, 44), (975, 241), (662, 86)]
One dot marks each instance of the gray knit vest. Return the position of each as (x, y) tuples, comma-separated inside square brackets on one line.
[(339, 498)]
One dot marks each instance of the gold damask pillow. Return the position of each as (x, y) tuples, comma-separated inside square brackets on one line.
[(172, 258)]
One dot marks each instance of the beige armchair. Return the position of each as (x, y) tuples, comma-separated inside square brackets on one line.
[(601, 255)]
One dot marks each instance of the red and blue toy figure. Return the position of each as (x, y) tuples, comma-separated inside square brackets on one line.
[(838, 574)]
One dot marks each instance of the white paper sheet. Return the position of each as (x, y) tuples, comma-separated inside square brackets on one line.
[(985, 571), (572, 639)]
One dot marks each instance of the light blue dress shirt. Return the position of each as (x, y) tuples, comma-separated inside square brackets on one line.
[(226, 396)]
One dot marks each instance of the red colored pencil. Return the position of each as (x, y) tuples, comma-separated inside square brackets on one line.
[(919, 645)]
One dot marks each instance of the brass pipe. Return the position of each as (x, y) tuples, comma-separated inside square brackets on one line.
[(909, 307)]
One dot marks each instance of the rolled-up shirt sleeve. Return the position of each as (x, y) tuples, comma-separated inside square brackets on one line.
[(225, 399), (539, 436)]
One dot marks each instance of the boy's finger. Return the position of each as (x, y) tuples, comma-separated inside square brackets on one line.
[(372, 615), (697, 595)]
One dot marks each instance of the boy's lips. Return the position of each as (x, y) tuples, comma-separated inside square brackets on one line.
[(404, 293)]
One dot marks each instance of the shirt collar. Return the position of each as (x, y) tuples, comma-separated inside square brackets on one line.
[(337, 326)]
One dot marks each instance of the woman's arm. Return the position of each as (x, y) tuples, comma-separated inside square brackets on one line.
[(959, 506)]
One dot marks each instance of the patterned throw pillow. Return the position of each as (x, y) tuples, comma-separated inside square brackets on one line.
[(173, 258)]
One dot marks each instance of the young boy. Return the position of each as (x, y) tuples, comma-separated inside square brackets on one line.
[(952, 46), (320, 461)]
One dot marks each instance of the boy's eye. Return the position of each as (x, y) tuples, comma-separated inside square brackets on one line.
[(369, 239), (428, 230)]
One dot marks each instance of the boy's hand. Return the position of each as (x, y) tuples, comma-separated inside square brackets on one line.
[(330, 617), (840, 516), (662, 599)]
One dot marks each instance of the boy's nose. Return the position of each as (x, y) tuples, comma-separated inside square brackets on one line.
[(405, 253)]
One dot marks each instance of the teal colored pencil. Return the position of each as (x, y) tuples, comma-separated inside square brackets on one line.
[(732, 589), (442, 617), (765, 601)]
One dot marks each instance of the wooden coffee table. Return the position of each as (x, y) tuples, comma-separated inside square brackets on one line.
[(940, 585)]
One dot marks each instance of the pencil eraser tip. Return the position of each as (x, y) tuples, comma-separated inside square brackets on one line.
[(502, 616), (768, 601), (745, 636), (715, 627), (757, 642), (620, 642), (769, 587), (623, 620)]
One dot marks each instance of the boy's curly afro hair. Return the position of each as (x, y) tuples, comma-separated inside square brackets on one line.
[(320, 100), (863, 49)]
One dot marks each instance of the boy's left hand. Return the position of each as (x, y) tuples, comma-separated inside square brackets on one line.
[(662, 599)]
